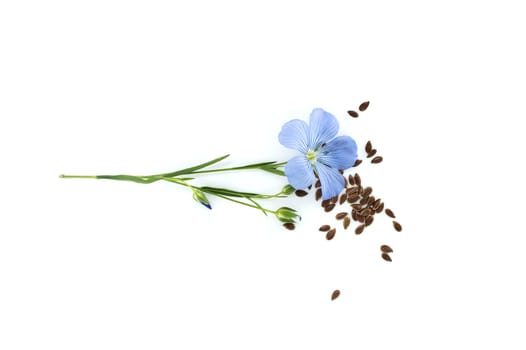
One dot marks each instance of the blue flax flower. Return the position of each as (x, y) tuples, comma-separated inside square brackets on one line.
[(322, 152)]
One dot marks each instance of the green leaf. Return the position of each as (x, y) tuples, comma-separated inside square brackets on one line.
[(194, 168)]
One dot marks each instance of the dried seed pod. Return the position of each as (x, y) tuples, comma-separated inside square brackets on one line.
[(369, 220), (390, 213), (341, 215), (329, 207), (324, 228), (386, 249), (372, 153), (289, 226), (301, 193), (335, 294), (363, 106), (357, 162), (397, 226), (377, 160), (317, 184), (330, 235), (353, 114), (343, 198), (318, 194), (359, 229), (368, 147), (367, 191), (386, 257), (380, 208), (346, 222), (357, 180)]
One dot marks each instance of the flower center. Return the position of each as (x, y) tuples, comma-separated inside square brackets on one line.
[(311, 156)]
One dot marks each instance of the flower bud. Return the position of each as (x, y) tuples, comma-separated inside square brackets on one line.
[(287, 215), (200, 197), (288, 189)]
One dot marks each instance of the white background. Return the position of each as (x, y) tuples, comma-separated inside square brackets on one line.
[(108, 87)]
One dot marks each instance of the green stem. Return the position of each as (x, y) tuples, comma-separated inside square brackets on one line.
[(77, 176), (243, 203)]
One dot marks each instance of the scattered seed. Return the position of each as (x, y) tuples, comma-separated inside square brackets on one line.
[(397, 226), (386, 257), (357, 162), (377, 160), (334, 200), (369, 220), (345, 183), (343, 198), (356, 207), (366, 212), (351, 180), (318, 194), (289, 226), (364, 200), (346, 222), (386, 249), (376, 204), (363, 106), (368, 147), (390, 213), (372, 153), (370, 201), (325, 228), (325, 202), (354, 215), (317, 184), (301, 193), (341, 215), (367, 191), (359, 229), (353, 114), (357, 180), (353, 198), (335, 294), (329, 207), (380, 208), (330, 235)]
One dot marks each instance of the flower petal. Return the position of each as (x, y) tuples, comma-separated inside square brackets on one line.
[(299, 172), (340, 153), (332, 181), (323, 127), (294, 134)]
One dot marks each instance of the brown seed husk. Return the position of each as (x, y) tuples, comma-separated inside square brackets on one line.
[(372, 153), (330, 235), (324, 228), (329, 207), (301, 193), (380, 208), (368, 147), (353, 114), (357, 180), (359, 229), (289, 226), (341, 215), (318, 194), (317, 184), (357, 162), (343, 198), (386, 249), (390, 213), (335, 294), (367, 191), (386, 257), (363, 106), (346, 222), (377, 160), (397, 226), (369, 220)]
